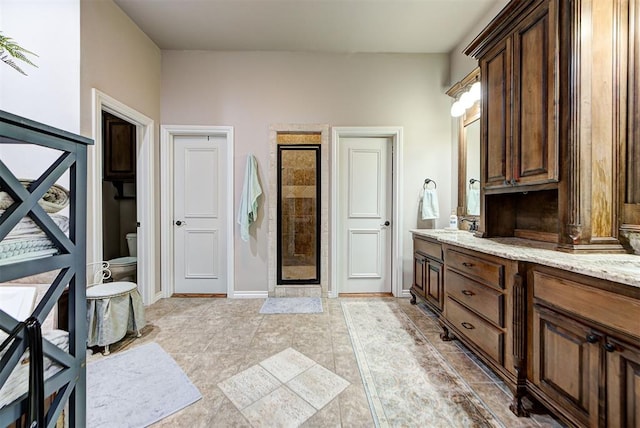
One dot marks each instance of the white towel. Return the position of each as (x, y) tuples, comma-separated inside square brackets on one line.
[(430, 209), (473, 201), (251, 190)]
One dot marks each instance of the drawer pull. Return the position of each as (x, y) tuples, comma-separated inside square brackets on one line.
[(467, 264), (468, 293), (609, 347), (468, 326), (592, 338)]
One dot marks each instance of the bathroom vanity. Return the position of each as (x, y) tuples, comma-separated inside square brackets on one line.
[(564, 328), (543, 291)]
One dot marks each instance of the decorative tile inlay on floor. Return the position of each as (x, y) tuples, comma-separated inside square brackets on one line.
[(285, 389), (406, 379)]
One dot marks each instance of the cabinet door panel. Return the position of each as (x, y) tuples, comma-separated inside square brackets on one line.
[(566, 364), (119, 148), (419, 273), (495, 75), (534, 141), (623, 385), (435, 283)]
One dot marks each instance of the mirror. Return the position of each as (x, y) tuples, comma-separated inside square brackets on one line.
[(470, 199), (468, 149)]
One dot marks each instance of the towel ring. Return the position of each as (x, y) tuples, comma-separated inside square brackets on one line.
[(472, 182), (426, 183)]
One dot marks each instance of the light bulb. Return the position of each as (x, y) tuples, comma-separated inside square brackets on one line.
[(475, 91), (457, 109), (466, 100)]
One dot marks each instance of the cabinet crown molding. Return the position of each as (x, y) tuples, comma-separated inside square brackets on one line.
[(503, 23)]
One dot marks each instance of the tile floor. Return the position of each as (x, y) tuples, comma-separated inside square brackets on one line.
[(305, 362)]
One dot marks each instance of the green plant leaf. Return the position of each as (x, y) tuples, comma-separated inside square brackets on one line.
[(10, 51)]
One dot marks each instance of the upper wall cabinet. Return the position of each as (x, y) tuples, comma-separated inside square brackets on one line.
[(520, 100), (554, 119), (119, 142)]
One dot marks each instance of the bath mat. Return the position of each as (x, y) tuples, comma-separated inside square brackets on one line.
[(292, 305), (406, 380), (136, 388)]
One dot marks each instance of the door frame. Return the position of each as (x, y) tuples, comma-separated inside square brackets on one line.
[(144, 185), (167, 136), (394, 133)]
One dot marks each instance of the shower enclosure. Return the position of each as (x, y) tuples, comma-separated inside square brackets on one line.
[(298, 214)]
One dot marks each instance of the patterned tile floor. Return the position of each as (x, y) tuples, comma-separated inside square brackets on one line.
[(258, 370)]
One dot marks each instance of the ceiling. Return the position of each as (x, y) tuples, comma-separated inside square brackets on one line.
[(345, 26)]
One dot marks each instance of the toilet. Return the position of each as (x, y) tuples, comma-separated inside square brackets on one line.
[(125, 268)]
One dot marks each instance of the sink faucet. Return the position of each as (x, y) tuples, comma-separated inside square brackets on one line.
[(473, 223)]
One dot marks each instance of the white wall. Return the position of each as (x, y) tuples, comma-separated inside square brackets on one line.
[(121, 61), (252, 90), (49, 93)]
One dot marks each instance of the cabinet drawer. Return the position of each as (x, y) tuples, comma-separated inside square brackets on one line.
[(488, 272), (484, 300), (604, 307), (429, 248), (480, 332)]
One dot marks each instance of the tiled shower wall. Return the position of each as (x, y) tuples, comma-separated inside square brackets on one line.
[(298, 168)]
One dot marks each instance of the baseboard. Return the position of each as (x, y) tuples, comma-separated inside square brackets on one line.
[(405, 293), (203, 295)]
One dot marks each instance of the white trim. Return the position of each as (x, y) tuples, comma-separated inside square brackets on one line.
[(144, 184), (167, 135), (251, 294), (395, 134)]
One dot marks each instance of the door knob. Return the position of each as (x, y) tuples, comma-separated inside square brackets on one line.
[(386, 223), (180, 223)]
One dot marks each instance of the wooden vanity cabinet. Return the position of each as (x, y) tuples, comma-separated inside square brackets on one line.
[(585, 357), (428, 276), (484, 307)]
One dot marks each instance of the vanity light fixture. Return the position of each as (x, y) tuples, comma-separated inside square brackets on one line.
[(475, 91), (466, 100), (457, 109)]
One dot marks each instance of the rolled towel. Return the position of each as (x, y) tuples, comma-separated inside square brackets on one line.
[(430, 208)]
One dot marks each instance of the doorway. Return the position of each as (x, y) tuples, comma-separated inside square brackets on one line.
[(298, 215), (291, 135), (119, 213), (145, 193), (366, 210), (197, 210)]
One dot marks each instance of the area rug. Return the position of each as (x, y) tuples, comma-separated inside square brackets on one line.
[(407, 381), (292, 305), (136, 388)]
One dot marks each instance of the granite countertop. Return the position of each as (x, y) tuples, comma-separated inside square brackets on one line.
[(622, 268)]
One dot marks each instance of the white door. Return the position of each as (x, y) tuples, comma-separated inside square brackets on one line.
[(364, 234), (199, 222)]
